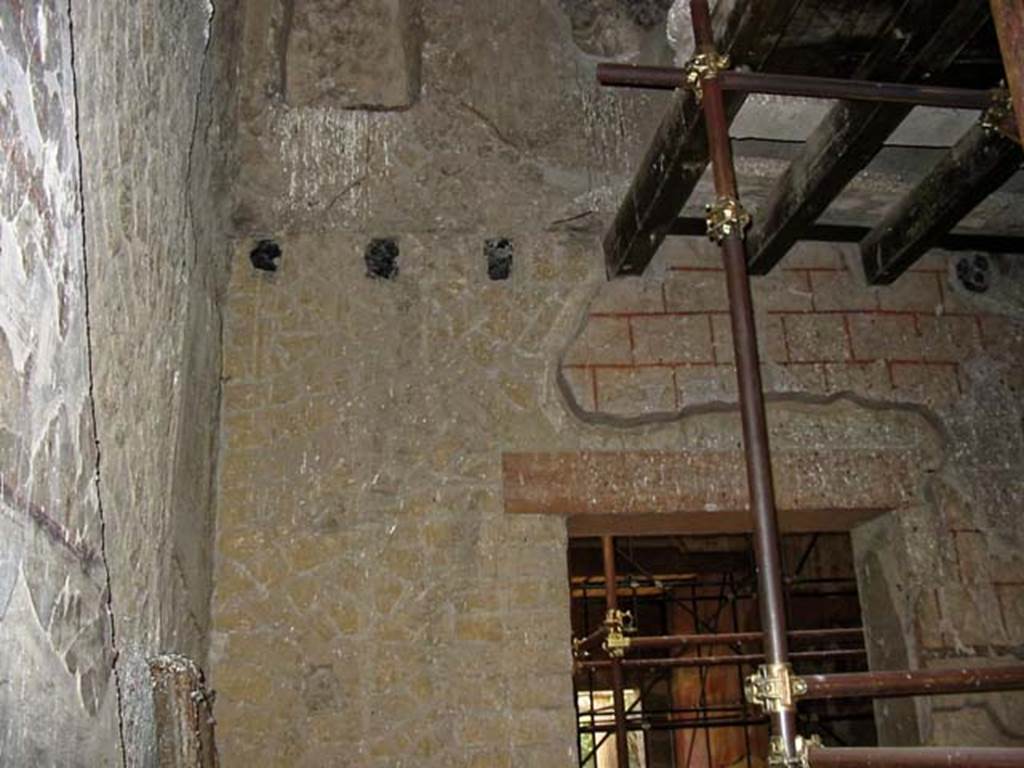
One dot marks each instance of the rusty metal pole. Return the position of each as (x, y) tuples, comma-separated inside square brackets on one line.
[(914, 757), (751, 396), (1008, 16), (719, 661), (618, 697), (808, 86), (743, 638), (922, 682)]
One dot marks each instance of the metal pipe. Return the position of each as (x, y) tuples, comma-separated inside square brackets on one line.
[(670, 78), (618, 697), (593, 639), (846, 233), (857, 90), (731, 638), (690, 724), (645, 723), (915, 757), (716, 661), (751, 396), (924, 682)]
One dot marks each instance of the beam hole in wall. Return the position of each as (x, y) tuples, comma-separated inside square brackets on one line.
[(695, 713), (265, 255), (382, 258), (973, 272), (499, 252)]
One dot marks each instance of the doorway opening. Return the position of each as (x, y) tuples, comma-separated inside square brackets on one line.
[(694, 601)]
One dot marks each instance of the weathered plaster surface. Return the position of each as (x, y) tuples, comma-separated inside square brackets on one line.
[(54, 626), (109, 357), (152, 142)]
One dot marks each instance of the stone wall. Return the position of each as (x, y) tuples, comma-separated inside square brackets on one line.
[(114, 259), (375, 604)]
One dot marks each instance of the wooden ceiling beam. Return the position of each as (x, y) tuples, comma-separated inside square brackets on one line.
[(974, 167), (922, 40), (678, 153)]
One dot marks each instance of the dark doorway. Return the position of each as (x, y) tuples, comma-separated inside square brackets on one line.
[(693, 714)]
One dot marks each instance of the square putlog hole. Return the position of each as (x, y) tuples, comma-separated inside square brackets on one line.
[(498, 251), (382, 258)]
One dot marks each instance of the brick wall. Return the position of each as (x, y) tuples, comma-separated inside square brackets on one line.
[(654, 345)]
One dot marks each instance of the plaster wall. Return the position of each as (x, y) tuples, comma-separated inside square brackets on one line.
[(112, 263)]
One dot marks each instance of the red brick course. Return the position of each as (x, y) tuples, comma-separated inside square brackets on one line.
[(819, 326)]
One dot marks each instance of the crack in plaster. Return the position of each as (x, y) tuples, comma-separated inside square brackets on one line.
[(91, 379)]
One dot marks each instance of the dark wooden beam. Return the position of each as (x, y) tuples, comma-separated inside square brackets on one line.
[(851, 233), (1009, 20), (678, 153), (923, 39), (974, 167)]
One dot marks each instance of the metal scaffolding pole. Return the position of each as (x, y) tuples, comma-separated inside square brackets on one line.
[(670, 78), (611, 619), (773, 687), (751, 396), (924, 682), (731, 638), (718, 661), (914, 757)]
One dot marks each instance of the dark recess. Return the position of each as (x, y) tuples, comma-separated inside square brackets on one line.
[(264, 255), (382, 258), (973, 272), (498, 251)]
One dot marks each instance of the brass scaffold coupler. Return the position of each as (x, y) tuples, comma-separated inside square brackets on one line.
[(701, 67), (774, 688), (620, 626), (725, 217), (777, 757)]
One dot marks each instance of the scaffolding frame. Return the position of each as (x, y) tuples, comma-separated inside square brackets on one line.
[(727, 649), (773, 688)]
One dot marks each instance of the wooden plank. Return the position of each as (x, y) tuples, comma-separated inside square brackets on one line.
[(1008, 16), (678, 154), (974, 167), (923, 39)]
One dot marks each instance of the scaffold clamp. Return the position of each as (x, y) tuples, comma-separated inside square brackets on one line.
[(620, 625), (777, 757), (701, 67), (774, 687), (726, 217)]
